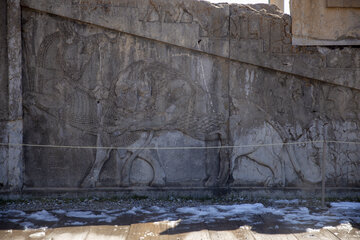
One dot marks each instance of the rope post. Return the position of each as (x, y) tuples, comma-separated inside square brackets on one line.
[(323, 176)]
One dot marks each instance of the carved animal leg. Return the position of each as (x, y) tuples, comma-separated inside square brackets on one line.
[(159, 174), (212, 163), (218, 173), (181, 13), (102, 155), (128, 162), (147, 14), (224, 172), (291, 150)]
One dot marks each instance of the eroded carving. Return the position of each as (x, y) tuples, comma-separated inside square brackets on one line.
[(291, 110), (181, 11), (108, 89), (262, 26), (126, 110)]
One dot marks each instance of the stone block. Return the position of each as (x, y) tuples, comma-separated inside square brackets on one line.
[(324, 27)]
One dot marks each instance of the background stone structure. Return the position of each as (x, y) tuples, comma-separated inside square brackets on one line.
[(326, 22), (168, 76)]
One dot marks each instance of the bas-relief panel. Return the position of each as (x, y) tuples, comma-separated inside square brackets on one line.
[(211, 18), (93, 87), (88, 86), (272, 107)]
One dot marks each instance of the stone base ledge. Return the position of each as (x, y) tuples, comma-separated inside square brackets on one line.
[(185, 192), (299, 41)]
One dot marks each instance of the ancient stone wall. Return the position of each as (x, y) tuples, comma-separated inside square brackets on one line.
[(11, 108), (325, 22), (155, 93), (3, 92)]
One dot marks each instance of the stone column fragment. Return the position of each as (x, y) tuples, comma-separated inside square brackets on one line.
[(15, 118)]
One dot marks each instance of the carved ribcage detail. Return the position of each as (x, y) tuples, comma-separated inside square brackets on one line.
[(201, 126), (81, 112), (44, 47)]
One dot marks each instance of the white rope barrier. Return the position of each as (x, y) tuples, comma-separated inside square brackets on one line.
[(170, 148)]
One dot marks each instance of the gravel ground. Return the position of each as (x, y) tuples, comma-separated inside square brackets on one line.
[(100, 203)]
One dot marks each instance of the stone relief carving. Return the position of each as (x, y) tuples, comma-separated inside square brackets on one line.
[(107, 89), (126, 110), (261, 35), (265, 30), (256, 34), (291, 110), (212, 20)]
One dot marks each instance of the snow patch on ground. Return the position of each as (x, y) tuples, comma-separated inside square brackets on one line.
[(156, 209), (345, 226), (286, 212), (85, 214), (294, 215), (27, 225), (107, 219), (302, 215), (12, 213), (102, 217), (37, 235), (43, 216), (59, 211), (311, 230), (284, 201), (170, 224), (136, 210), (210, 213), (75, 223), (345, 205), (14, 220), (163, 217)]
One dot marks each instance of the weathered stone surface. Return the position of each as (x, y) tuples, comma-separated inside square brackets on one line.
[(325, 22), (3, 156), (154, 79), (119, 90), (205, 25), (343, 3), (3, 94), (3, 65), (14, 59), (256, 34), (261, 36), (271, 107), (11, 176), (15, 106), (278, 3), (15, 155)]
